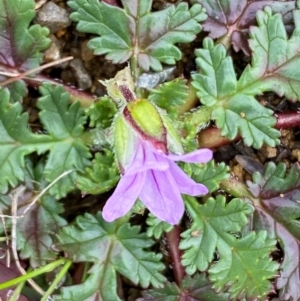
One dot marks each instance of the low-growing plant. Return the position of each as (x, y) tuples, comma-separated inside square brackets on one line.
[(178, 225)]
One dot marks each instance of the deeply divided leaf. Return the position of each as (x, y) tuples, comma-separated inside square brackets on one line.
[(234, 110), (64, 122), (119, 248), (244, 266), (150, 37)]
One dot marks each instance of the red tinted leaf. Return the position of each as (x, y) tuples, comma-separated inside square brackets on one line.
[(278, 211), (233, 18)]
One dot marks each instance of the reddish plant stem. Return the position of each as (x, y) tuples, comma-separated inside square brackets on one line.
[(112, 2), (211, 137), (287, 120), (86, 99), (173, 239)]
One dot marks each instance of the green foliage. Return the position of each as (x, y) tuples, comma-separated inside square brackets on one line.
[(274, 67), (16, 142), (113, 247), (63, 123), (196, 288), (278, 211), (275, 181), (101, 176), (149, 36), (233, 109), (170, 95), (20, 44), (210, 174), (101, 113), (156, 227), (244, 266)]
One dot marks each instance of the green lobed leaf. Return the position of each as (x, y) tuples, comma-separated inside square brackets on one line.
[(101, 284), (119, 247), (170, 95), (95, 17), (275, 60), (156, 227), (210, 174), (137, 31), (64, 122), (16, 142), (275, 181), (102, 176), (244, 266), (200, 241), (234, 109)]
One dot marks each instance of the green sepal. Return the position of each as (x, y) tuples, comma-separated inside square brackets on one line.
[(146, 118), (125, 141)]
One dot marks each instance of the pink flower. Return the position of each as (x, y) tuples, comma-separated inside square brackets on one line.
[(153, 177)]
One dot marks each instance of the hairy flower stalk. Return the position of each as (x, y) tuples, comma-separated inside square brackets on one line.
[(146, 148)]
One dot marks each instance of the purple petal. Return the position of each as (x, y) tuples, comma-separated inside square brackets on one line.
[(185, 184), (162, 197), (198, 156), (146, 159), (124, 196)]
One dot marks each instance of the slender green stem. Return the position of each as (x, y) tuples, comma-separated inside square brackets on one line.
[(17, 291), (47, 268), (199, 118), (57, 279), (4, 238)]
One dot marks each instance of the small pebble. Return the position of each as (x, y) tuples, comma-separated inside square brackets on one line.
[(54, 52), (83, 78), (53, 16)]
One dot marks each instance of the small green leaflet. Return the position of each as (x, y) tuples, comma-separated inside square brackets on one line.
[(113, 247), (148, 36), (102, 176), (156, 227), (170, 95)]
